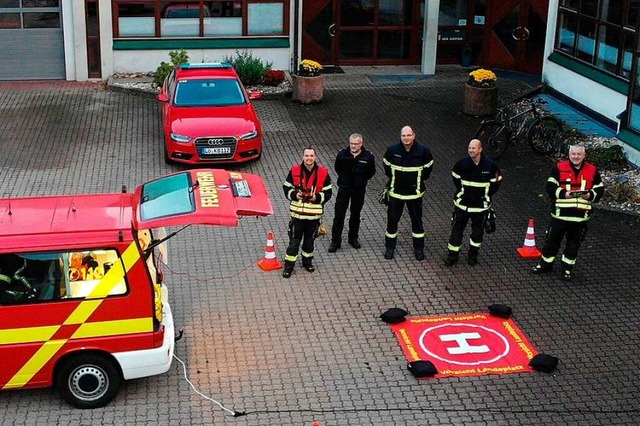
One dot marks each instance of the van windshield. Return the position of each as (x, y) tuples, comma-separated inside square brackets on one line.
[(168, 196)]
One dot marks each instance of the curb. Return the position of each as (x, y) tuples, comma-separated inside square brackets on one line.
[(113, 86)]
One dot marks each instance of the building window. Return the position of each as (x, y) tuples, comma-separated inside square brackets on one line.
[(206, 19), (15, 14), (600, 33)]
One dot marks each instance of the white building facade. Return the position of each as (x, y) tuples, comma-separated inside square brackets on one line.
[(591, 56)]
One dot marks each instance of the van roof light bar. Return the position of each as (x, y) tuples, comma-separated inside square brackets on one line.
[(188, 65)]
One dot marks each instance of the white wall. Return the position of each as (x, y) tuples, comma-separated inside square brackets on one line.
[(586, 92), (149, 60), (430, 37), (592, 95)]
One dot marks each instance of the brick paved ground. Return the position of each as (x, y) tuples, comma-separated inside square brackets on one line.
[(288, 352)]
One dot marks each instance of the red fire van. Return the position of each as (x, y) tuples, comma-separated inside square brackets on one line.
[(82, 300)]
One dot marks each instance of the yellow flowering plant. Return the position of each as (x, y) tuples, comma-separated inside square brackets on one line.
[(482, 78), (309, 68)]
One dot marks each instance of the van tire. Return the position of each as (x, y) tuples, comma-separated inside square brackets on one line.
[(88, 380)]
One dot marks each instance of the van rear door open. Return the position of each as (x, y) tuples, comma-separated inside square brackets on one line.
[(200, 197)]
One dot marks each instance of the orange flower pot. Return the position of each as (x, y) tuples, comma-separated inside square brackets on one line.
[(308, 90), (480, 101)]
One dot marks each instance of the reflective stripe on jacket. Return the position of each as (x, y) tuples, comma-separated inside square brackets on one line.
[(314, 184), (564, 178), (407, 170), (475, 183)]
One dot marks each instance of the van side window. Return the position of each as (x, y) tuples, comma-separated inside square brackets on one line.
[(85, 269), (48, 276), (28, 278)]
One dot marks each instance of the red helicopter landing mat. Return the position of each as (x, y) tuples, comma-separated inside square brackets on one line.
[(466, 345)]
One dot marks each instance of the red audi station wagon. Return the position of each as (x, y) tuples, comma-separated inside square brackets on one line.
[(208, 117)]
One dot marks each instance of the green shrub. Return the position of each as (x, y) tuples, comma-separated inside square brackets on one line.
[(177, 57), (250, 70), (608, 158)]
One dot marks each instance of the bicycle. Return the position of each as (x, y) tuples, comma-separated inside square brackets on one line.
[(543, 132)]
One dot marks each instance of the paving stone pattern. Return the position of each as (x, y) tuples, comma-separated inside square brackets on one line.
[(288, 352)]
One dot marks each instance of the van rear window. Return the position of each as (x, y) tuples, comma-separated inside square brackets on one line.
[(168, 196)]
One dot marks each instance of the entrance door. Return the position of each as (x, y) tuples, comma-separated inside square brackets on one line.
[(93, 39), (318, 31), (516, 34), (362, 32)]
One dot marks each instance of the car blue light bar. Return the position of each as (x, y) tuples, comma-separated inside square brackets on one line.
[(187, 65)]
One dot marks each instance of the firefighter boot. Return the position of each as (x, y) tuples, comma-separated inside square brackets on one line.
[(388, 253), (390, 247), (566, 272), (308, 264), (288, 269), (472, 256), (542, 268), (334, 246), (451, 259)]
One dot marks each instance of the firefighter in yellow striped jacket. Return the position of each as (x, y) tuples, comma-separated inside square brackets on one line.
[(573, 186), (408, 165), (476, 178), (308, 188)]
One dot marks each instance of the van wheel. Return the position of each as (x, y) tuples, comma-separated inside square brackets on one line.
[(88, 380)]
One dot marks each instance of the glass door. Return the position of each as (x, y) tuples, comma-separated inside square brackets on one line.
[(378, 31), (93, 39), (516, 35), (362, 32), (318, 31)]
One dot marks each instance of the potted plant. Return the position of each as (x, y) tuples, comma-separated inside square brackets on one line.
[(308, 82), (481, 93)]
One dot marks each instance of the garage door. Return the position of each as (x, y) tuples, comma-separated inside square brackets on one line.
[(31, 40)]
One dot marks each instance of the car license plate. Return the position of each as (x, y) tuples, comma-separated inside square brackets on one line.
[(217, 150)]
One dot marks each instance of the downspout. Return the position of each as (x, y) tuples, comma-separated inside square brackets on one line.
[(296, 36)]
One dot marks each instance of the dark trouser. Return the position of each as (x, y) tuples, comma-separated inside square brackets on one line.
[(460, 221), (301, 231), (394, 212), (342, 202), (558, 230)]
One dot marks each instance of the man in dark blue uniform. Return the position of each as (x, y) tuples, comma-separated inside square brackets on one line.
[(408, 165), (354, 166), (476, 178)]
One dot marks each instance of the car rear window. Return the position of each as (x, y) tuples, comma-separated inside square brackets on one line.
[(208, 92)]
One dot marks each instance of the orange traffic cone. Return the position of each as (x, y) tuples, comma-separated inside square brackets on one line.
[(269, 262), (529, 249)]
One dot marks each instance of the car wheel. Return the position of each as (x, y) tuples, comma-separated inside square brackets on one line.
[(88, 380)]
